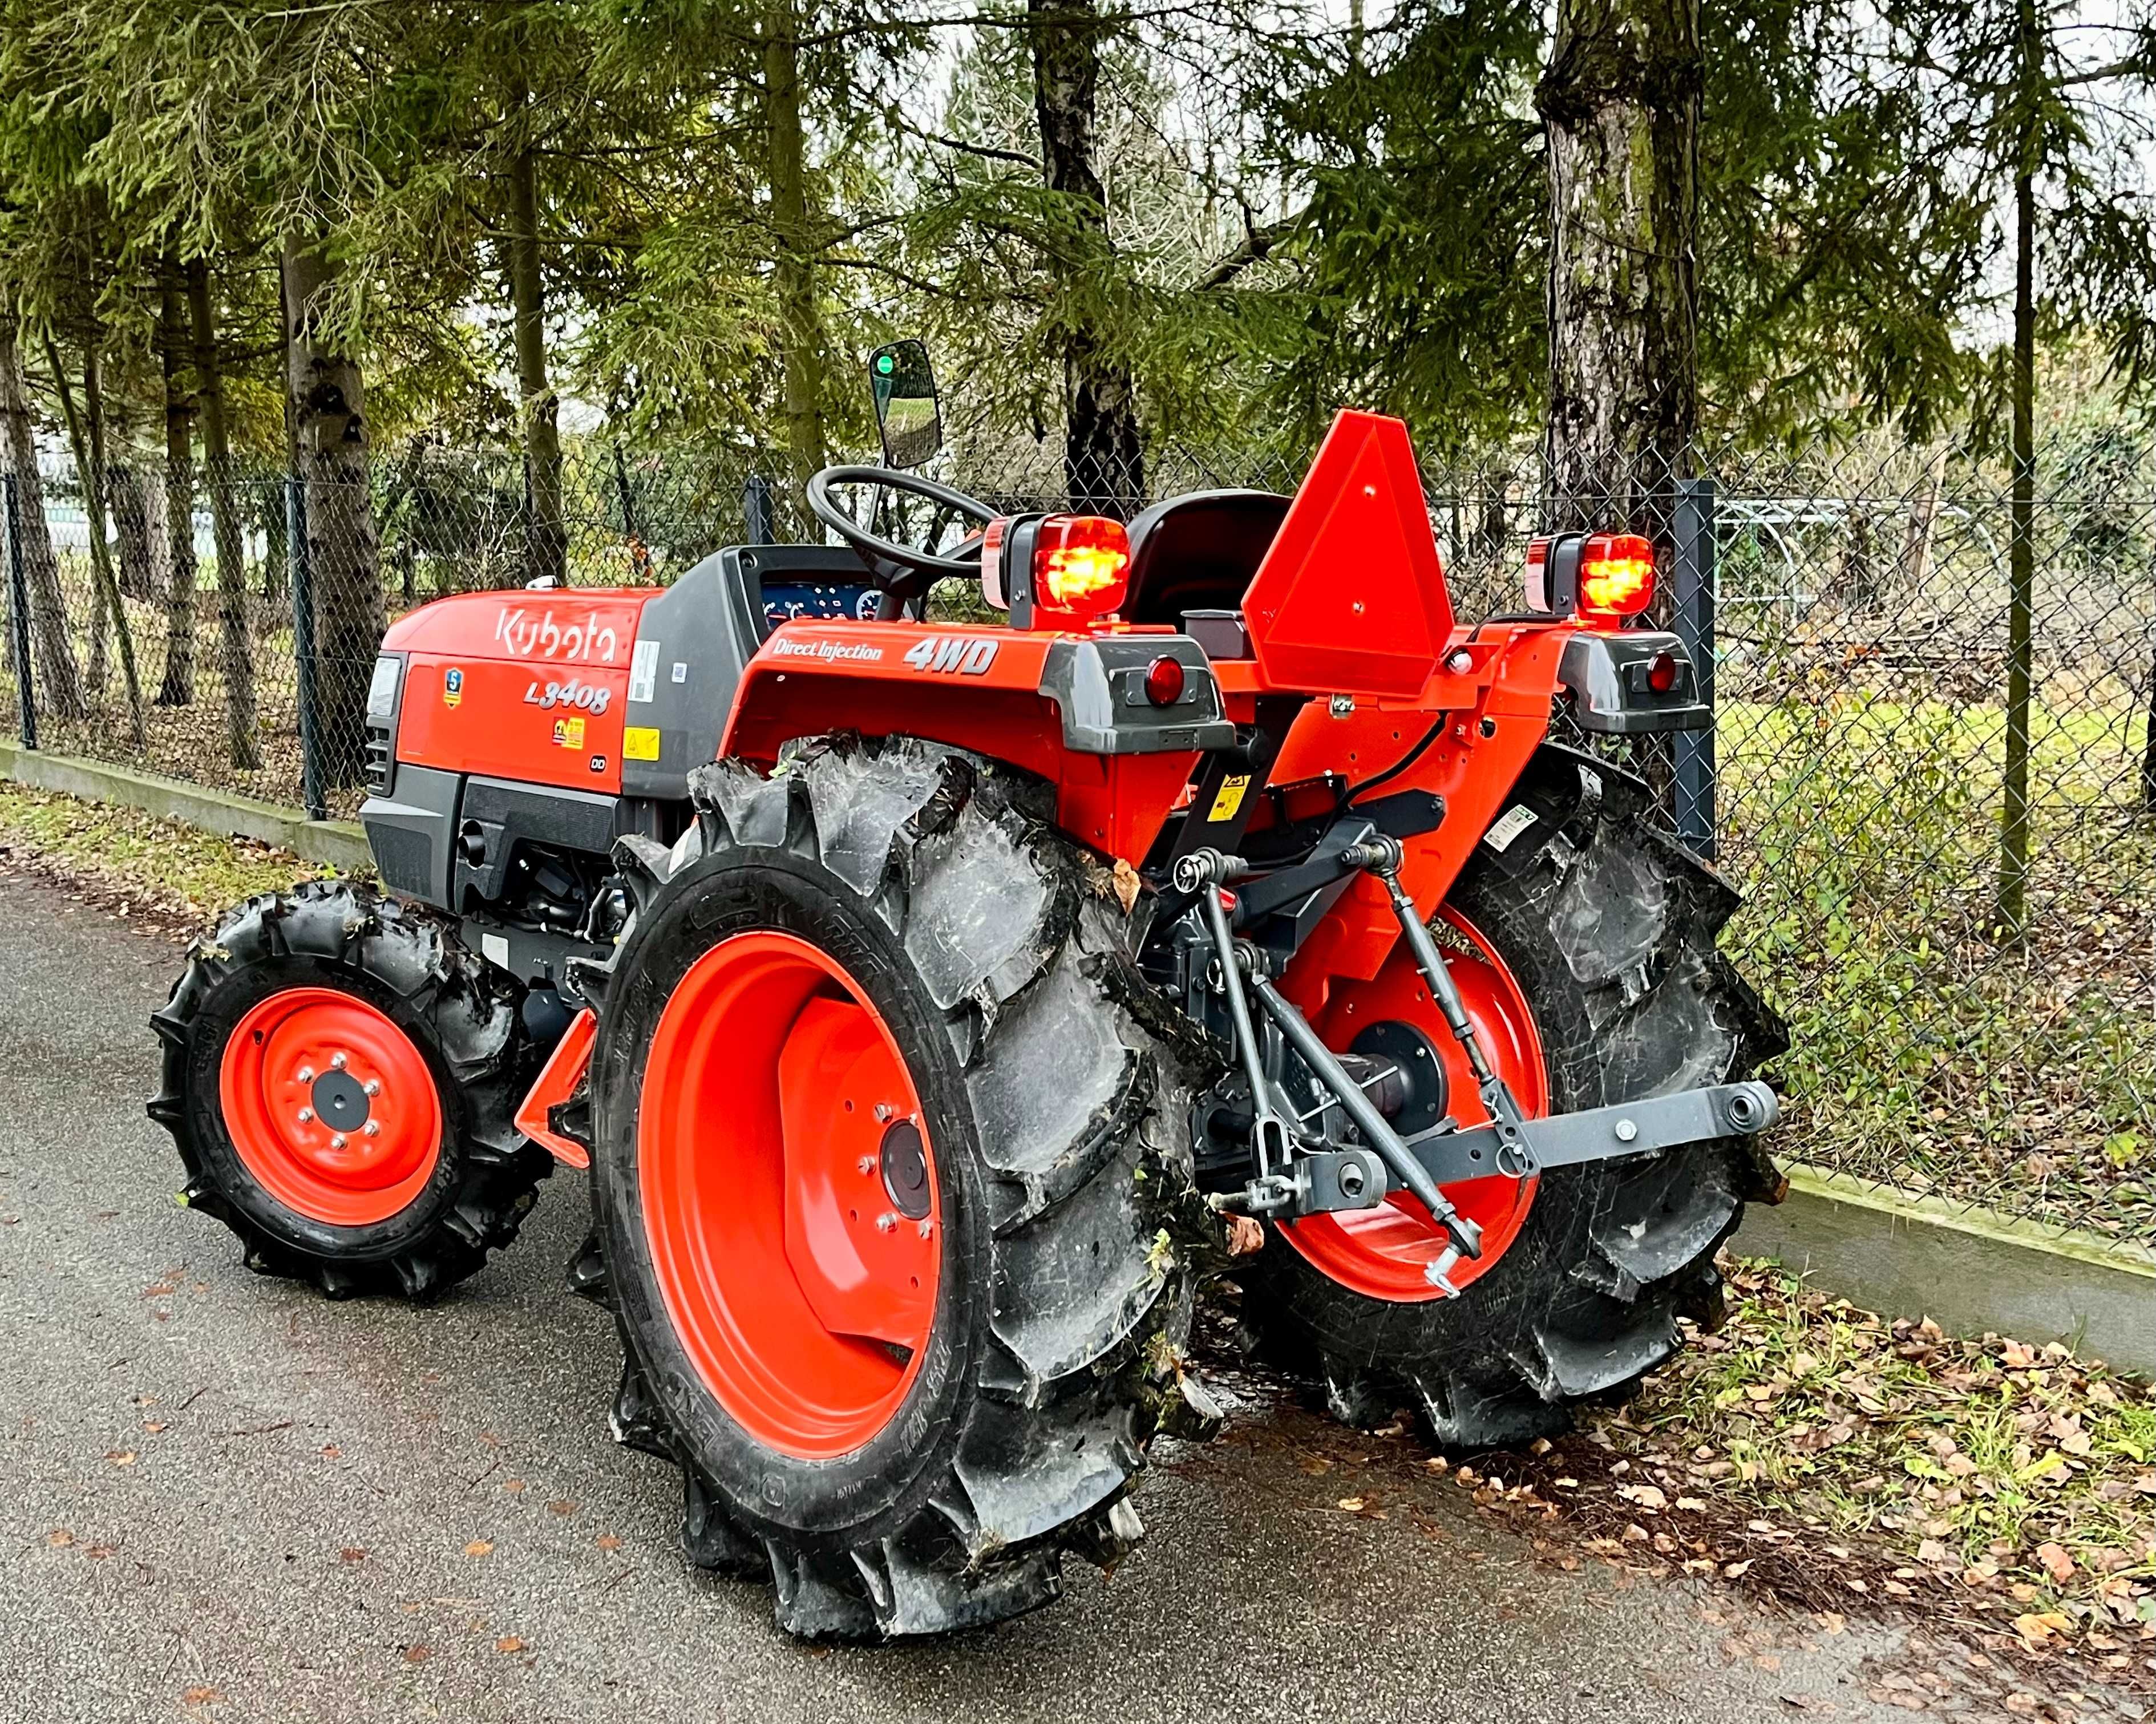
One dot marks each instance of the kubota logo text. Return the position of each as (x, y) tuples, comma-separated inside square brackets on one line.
[(525, 636)]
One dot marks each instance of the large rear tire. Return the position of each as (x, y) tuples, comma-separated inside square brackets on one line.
[(309, 1016), (1608, 928), (900, 1402)]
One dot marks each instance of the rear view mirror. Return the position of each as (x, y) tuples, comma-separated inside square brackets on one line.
[(904, 386)]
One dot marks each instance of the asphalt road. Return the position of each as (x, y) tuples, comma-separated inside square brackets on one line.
[(225, 1498)]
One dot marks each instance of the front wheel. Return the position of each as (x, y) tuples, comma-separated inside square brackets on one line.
[(340, 1075), (1584, 946), (881, 1150)]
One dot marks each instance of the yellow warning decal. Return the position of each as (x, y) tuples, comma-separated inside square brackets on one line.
[(639, 742), (1230, 796), (568, 733)]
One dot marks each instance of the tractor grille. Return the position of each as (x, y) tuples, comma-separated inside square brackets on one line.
[(379, 765)]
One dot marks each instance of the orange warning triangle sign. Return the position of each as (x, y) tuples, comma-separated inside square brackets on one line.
[(1350, 597)]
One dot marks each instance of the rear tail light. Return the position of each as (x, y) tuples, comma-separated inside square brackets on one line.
[(1163, 680), (1662, 672), (1616, 575), (1081, 566)]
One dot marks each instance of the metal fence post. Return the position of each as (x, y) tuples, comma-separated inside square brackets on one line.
[(1694, 624), (756, 511), (18, 616), (303, 645)]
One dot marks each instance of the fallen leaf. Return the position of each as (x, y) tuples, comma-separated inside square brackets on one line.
[(1735, 1570), (1647, 1496), (351, 1553), (121, 1457), (2038, 1629), (1126, 885), (153, 1425), (2058, 1562), (509, 1643), (416, 1654), (561, 1507), (608, 1541), (1246, 1235), (479, 1547), (201, 1697), (59, 1538), (1352, 1504)]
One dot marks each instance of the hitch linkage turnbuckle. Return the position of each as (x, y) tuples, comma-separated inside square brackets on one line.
[(1298, 1179)]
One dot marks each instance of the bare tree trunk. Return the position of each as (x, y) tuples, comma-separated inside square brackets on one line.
[(546, 541), (58, 680), (177, 687), (1916, 560), (793, 270), (1620, 101), (235, 649), (86, 438), (127, 490), (1103, 454), (331, 443)]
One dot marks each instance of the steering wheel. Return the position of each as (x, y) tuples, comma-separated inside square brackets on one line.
[(890, 561)]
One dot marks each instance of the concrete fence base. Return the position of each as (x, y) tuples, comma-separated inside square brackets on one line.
[(1970, 1270), (336, 844)]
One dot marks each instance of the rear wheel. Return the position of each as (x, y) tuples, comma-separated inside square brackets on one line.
[(882, 1147), (1585, 949), (340, 1075)]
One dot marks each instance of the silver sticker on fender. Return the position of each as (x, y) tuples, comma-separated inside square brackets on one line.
[(643, 670), (1508, 826)]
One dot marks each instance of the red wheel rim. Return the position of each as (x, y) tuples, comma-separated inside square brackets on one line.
[(1384, 1253), (330, 1107), (790, 1194)]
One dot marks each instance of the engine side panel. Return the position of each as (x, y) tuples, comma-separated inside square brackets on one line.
[(526, 685)]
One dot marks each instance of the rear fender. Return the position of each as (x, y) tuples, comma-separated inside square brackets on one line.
[(1070, 707)]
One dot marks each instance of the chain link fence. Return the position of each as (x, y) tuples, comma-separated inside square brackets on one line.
[(1933, 773)]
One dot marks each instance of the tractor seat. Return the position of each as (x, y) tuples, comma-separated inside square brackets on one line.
[(1198, 552)]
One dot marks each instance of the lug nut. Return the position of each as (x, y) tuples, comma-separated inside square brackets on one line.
[(866, 1164), (337, 1140), (886, 1221), (306, 1074), (927, 1227), (882, 1112), (307, 1116), (372, 1086), (336, 1062), (1626, 1131), (372, 1128)]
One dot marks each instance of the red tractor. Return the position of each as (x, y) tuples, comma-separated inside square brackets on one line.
[(933, 1003)]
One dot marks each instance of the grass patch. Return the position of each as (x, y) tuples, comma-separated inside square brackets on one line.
[(174, 875), (1930, 1050)]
